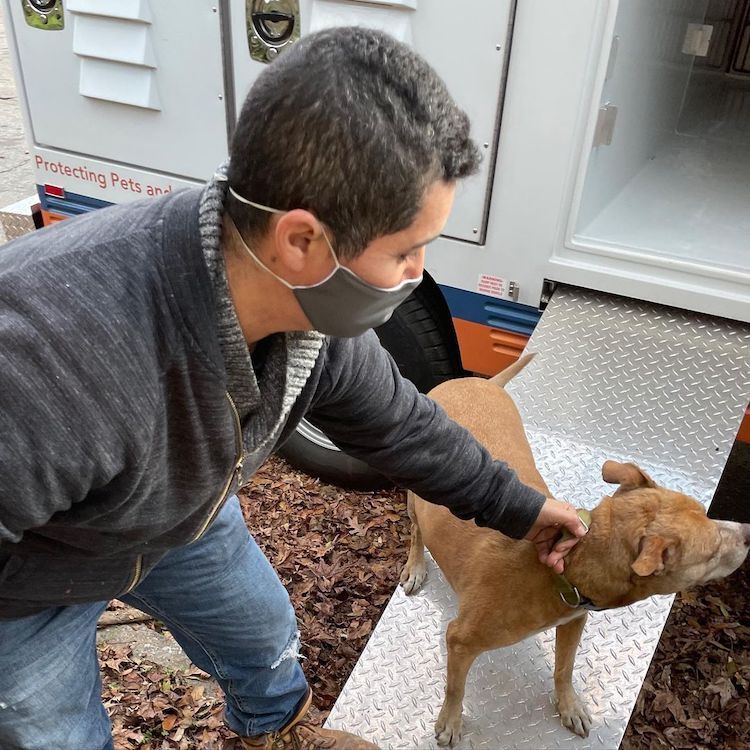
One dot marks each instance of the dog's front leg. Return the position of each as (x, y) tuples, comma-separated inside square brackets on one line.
[(413, 575), (573, 713), (460, 658)]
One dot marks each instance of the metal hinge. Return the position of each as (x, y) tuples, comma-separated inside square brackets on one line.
[(513, 289), (697, 39), (548, 289), (605, 125)]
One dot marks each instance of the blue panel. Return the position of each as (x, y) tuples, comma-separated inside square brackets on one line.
[(71, 205), (490, 311)]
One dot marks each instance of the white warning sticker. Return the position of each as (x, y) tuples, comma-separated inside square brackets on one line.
[(492, 286)]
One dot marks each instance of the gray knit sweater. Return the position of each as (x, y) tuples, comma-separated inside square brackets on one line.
[(119, 435)]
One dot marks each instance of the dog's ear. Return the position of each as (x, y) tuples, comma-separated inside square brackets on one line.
[(628, 476), (654, 555)]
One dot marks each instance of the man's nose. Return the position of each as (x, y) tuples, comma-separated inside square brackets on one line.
[(416, 268)]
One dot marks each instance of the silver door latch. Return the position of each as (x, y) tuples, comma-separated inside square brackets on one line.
[(697, 39), (605, 125)]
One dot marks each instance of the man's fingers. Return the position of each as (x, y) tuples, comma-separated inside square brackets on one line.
[(564, 547), (546, 535), (547, 530), (555, 561), (577, 527), (573, 522), (553, 556)]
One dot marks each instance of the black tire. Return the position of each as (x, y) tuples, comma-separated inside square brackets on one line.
[(309, 450), (421, 340)]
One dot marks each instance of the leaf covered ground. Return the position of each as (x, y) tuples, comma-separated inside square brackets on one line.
[(340, 554)]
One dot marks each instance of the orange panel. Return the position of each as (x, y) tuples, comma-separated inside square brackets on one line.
[(744, 433), (50, 218), (486, 350)]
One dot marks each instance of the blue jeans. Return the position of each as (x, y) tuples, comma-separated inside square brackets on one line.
[(222, 601)]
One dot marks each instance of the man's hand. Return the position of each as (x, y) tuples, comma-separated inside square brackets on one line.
[(554, 517)]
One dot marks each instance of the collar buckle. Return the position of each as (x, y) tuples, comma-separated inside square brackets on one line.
[(568, 590)]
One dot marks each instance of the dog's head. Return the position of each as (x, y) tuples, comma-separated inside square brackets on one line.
[(671, 543)]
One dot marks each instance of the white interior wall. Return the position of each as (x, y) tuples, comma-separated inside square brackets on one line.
[(689, 202), (647, 83), (717, 106), (674, 182)]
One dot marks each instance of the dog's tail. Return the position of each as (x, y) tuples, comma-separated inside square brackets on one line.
[(510, 372)]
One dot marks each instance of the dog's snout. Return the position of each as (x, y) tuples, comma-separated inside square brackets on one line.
[(746, 533)]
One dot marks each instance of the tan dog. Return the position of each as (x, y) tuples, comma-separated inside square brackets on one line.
[(643, 540)]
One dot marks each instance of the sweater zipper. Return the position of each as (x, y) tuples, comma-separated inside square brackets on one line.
[(236, 472), (136, 575)]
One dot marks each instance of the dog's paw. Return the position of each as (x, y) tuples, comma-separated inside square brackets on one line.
[(574, 715), (448, 731), (412, 577)]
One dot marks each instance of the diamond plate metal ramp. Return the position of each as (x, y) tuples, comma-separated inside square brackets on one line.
[(613, 378)]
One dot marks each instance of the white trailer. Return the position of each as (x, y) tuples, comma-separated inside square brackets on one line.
[(616, 134)]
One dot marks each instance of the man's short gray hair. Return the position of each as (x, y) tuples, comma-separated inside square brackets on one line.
[(353, 126)]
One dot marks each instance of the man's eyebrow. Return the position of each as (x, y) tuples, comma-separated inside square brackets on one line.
[(421, 244)]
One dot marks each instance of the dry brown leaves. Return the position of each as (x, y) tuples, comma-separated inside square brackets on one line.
[(340, 553), (696, 692), (153, 709)]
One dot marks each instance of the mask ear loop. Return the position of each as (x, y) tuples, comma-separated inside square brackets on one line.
[(279, 211), (254, 205), (257, 260)]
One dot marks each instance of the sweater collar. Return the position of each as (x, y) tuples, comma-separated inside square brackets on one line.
[(289, 358)]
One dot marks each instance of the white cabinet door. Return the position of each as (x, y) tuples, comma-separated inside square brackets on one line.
[(467, 43), (135, 82)]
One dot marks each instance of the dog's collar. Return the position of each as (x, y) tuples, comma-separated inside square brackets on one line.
[(572, 596), (568, 592)]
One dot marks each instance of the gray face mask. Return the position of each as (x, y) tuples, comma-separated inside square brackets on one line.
[(342, 304)]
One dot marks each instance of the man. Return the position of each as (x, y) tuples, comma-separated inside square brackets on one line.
[(154, 355)]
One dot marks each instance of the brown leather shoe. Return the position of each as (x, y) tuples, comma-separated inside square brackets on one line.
[(299, 735)]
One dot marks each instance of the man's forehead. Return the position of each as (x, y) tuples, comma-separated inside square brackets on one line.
[(422, 243)]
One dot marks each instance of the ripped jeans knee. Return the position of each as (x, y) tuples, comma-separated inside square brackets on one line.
[(291, 650)]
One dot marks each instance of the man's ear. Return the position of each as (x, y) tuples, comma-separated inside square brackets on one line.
[(654, 555), (298, 233), (628, 476)]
